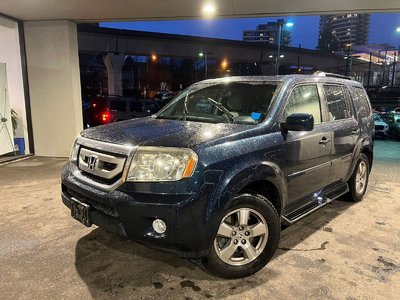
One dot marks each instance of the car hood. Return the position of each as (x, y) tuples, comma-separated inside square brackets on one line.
[(162, 132)]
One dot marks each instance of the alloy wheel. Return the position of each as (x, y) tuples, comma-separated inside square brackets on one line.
[(361, 177), (242, 237)]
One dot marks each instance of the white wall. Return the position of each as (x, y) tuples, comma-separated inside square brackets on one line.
[(54, 85), (6, 130), (11, 56)]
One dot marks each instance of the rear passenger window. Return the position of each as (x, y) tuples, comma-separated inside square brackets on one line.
[(118, 105), (362, 102), (304, 99), (336, 101), (136, 107)]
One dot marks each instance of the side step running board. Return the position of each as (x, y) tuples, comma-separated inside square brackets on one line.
[(318, 201)]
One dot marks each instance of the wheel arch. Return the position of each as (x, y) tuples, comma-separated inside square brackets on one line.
[(369, 153), (266, 179), (267, 189)]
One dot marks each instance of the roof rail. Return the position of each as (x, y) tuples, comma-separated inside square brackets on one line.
[(323, 74)]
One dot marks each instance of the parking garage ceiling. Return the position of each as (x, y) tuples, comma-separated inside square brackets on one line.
[(131, 10)]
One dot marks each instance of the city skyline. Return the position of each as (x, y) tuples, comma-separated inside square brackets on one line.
[(382, 29)]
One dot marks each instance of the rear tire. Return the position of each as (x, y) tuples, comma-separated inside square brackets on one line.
[(359, 180), (247, 238)]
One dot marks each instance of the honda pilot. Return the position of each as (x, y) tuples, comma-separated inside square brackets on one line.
[(219, 170)]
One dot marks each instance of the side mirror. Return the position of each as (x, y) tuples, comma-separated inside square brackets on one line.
[(298, 122)]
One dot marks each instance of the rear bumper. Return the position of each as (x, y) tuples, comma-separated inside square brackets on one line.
[(190, 230)]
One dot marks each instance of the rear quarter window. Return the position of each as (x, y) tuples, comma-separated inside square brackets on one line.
[(361, 101)]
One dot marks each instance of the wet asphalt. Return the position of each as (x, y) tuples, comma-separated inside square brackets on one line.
[(342, 251)]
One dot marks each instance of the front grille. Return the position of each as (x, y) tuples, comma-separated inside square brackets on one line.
[(379, 127), (101, 167), (96, 205)]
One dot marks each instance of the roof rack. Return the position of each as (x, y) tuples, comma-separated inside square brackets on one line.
[(323, 74)]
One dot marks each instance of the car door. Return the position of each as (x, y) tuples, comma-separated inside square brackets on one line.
[(307, 153), (345, 129)]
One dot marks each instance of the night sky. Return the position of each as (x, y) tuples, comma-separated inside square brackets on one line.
[(305, 31)]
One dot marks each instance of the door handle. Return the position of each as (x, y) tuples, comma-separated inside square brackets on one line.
[(355, 132), (324, 141)]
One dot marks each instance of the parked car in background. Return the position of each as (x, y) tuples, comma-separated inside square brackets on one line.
[(103, 110), (127, 108), (164, 97), (381, 128), (95, 112), (393, 120)]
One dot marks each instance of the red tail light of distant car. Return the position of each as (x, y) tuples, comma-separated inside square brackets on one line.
[(105, 117)]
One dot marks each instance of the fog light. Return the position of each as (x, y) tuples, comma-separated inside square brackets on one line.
[(159, 226)]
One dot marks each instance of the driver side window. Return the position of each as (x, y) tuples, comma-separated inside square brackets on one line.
[(304, 99)]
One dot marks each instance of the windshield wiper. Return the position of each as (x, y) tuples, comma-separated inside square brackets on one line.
[(222, 108)]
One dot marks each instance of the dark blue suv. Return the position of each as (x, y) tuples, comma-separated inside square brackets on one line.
[(217, 171)]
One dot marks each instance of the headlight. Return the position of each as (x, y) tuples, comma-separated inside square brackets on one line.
[(162, 164)]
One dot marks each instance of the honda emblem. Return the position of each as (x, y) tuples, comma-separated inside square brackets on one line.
[(91, 162)]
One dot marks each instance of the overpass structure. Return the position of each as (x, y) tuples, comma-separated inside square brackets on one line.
[(41, 56), (115, 44)]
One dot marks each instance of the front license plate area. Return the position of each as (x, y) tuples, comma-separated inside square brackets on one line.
[(80, 212)]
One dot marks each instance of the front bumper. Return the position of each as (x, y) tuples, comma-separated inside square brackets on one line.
[(130, 212)]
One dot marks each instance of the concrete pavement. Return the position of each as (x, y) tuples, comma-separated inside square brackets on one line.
[(343, 251)]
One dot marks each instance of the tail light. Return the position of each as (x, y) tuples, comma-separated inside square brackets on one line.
[(105, 117)]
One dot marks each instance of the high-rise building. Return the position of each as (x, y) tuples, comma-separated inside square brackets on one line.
[(337, 31), (268, 33)]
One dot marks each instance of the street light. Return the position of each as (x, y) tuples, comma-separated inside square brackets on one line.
[(280, 23), (396, 56), (224, 64), (275, 59), (349, 60), (205, 54)]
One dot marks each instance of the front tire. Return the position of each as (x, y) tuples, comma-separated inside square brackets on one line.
[(247, 238), (359, 180)]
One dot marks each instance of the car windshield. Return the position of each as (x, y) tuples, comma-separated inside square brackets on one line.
[(377, 118), (234, 102)]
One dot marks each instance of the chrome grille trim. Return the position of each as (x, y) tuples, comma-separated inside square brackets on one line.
[(104, 146), (93, 162), (106, 150)]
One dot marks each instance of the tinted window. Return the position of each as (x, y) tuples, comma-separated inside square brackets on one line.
[(336, 100), (118, 105), (136, 107), (304, 99), (362, 102)]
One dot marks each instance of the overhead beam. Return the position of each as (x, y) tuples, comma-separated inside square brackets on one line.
[(125, 10)]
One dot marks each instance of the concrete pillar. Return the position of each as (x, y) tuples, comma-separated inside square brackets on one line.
[(54, 85), (114, 63)]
